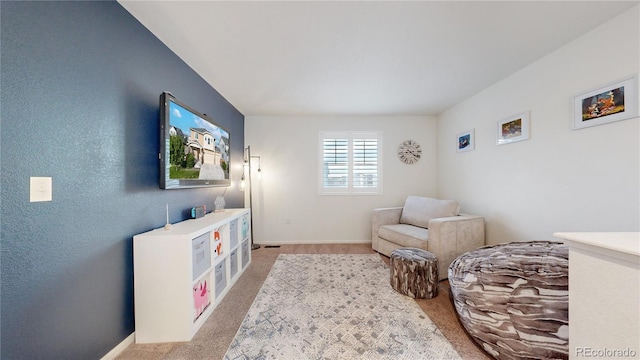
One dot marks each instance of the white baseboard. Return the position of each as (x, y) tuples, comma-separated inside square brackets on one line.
[(120, 347), (313, 242)]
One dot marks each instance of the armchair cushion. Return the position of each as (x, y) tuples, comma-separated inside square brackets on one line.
[(403, 234), (418, 210)]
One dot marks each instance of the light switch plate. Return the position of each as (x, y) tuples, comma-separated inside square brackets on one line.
[(40, 189)]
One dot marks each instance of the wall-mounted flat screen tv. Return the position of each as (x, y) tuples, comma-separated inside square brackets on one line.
[(194, 150)]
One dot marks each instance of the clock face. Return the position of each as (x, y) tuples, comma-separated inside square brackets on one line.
[(409, 152)]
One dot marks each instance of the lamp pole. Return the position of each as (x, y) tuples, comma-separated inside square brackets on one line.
[(253, 245)]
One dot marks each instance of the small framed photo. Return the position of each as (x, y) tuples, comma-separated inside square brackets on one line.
[(466, 141), (514, 128), (607, 104)]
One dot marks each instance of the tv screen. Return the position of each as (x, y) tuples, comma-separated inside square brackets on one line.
[(194, 150)]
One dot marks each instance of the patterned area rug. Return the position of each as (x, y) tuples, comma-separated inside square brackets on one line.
[(335, 307)]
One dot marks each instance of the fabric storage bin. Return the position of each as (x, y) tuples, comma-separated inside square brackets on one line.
[(234, 233), (246, 247), (233, 263), (221, 277), (201, 297), (201, 254)]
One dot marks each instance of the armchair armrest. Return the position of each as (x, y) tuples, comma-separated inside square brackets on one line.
[(461, 217), (451, 236), (386, 216), (383, 216)]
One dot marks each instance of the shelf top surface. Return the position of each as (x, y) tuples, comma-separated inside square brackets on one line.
[(189, 226), (624, 242)]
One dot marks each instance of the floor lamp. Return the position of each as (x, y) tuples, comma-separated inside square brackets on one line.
[(247, 164)]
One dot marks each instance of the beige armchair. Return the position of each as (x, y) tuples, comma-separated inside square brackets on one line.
[(429, 224)]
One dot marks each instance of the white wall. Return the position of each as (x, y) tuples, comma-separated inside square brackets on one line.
[(558, 180), (286, 205)]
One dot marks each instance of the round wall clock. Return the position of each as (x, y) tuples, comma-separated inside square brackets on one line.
[(409, 152)]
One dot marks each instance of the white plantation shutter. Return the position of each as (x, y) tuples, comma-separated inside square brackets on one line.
[(351, 163), (335, 173), (365, 163)]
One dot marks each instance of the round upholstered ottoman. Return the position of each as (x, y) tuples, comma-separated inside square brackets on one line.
[(414, 272), (513, 298)]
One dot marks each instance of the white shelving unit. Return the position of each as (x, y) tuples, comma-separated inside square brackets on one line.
[(182, 274)]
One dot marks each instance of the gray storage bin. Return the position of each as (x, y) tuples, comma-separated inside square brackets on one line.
[(246, 247), (233, 263), (201, 254), (234, 232), (221, 277)]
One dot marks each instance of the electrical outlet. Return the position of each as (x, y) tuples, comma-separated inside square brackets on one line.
[(40, 189)]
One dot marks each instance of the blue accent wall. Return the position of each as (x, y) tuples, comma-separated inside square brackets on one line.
[(80, 92)]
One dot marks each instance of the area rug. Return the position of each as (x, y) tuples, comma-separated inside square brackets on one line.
[(321, 306)]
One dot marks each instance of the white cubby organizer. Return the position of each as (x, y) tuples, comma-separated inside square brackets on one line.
[(182, 274)]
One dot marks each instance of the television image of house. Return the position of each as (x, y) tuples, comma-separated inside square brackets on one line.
[(208, 153), (199, 155)]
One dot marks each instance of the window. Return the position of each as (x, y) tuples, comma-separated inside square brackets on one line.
[(351, 163)]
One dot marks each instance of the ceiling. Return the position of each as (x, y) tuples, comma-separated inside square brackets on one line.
[(362, 57)]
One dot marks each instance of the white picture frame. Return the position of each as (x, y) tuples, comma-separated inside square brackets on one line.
[(512, 129), (614, 102), (466, 141)]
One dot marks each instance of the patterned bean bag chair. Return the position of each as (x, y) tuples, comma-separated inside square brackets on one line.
[(513, 298)]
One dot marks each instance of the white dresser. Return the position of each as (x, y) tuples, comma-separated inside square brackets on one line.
[(604, 294)]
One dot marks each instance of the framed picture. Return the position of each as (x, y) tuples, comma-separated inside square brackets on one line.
[(514, 128), (466, 141), (607, 104)]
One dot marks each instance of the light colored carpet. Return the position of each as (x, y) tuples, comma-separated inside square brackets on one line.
[(318, 306)]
